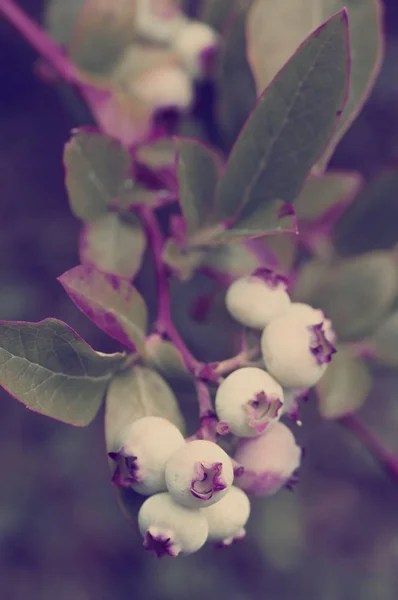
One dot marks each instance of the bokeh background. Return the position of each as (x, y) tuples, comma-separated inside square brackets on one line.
[(62, 535)]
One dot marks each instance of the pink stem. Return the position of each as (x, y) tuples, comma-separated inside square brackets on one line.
[(386, 458), (39, 40)]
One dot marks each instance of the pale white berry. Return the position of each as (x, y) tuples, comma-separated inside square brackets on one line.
[(295, 353), (169, 529), (269, 461), (148, 444), (158, 20), (227, 518), (166, 86), (248, 401), (199, 474), (313, 316), (254, 300), (192, 43)]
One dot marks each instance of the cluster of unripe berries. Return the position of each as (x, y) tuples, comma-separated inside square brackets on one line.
[(197, 491), (187, 46)]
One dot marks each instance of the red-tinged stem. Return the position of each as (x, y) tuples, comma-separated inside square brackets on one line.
[(387, 459), (39, 40), (243, 359)]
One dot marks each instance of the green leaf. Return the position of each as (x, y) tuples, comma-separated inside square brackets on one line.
[(97, 173), (113, 244), (267, 219), (276, 29), (356, 294), (112, 303), (232, 259), (197, 170), (218, 13), (289, 126), (157, 153), (323, 192), (383, 344), (236, 88), (370, 222), (183, 261), (52, 371), (345, 385), (136, 393), (165, 358)]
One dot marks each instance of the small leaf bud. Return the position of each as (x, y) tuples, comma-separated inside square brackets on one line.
[(199, 474), (256, 299), (295, 353), (169, 528), (270, 461), (227, 518), (248, 401), (141, 462)]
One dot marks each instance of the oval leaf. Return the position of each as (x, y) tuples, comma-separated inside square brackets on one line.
[(322, 193), (112, 303), (136, 393), (113, 245), (345, 385), (165, 358), (383, 345), (290, 124), (276, 29), (52, 371), (197, 170), (97, 173)]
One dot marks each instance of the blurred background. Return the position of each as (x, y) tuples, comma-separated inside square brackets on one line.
[(62, 535)]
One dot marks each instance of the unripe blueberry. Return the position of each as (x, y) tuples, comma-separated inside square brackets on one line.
[(148, 444), (255, 300), (199, 474), (248, 401), (295, 353), (158, 20), (192, 43), (169, 528), (167, 86), (269, 461), (313, 316), (227, 518)]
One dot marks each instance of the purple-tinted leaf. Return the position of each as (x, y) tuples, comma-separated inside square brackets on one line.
[(113, 245), (112, 303), (52, 371)]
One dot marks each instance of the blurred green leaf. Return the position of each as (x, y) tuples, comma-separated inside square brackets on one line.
[(289, 126), (267, 219), (370, 222), (112, 303), (233, 259), (383, 344), (113, 244), (345, 385), (136, 393), (52, 371), (60, 18), (277, 28), (323, 192), (356, 294), (236, 88), (218, 13), (97, 173), (165, 358), (197, 170), (157, 153), (284, 248)]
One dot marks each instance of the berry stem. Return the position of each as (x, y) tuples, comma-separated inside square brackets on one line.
[(164, 323), (243, 359), (386, 458), (39, 40)]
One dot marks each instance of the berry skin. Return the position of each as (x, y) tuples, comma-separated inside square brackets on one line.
[(295, 353), (192, 43), (270, 461), (313, 316), (254, 300), (169, 528), (227, 518), (248, 401), (158, 20), (141, 462), (199, 474), (167, 86)]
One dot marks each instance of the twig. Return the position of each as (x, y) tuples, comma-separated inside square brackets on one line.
[(243, 359), (387, 459), (39, 40)]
